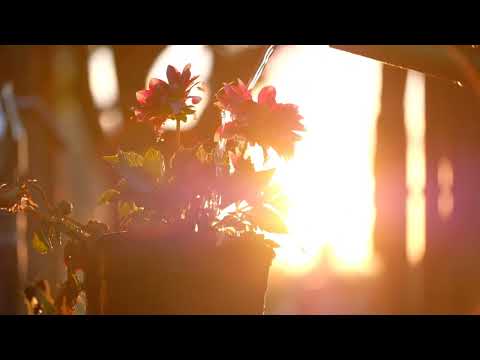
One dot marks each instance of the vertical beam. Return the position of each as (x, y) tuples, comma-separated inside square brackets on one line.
[(390, 194)]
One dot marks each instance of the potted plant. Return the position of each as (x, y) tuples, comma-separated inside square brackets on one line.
[(192, 228)]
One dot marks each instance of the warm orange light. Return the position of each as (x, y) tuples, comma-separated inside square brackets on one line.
[(102, 77), (414, 107), (330, 180), (103, 82)]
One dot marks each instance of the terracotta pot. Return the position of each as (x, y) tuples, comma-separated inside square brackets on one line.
[(173, 271)]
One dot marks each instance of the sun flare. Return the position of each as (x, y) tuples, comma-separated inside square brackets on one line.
[(330, 180)]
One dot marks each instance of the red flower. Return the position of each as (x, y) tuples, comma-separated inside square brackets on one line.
[(266, 122), (234, 97), (267, 95), (162, 100)]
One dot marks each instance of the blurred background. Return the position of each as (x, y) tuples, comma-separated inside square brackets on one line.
[(385, 211)]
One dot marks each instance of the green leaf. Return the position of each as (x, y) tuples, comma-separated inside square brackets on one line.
[(127, 208), (108, 196), (154, 163), (189, 111), (39, 243), (130, 158), (267, 219), (53, 235), (96, 228), (126, 158), (112, 159), (228, 221), (182, 117)]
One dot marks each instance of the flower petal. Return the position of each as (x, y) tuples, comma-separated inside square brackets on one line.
[(173, 75), (228, 89), (153, 83), (267, 96), (242, 86), (185, 77), (157, 83), (143, 95), (243, 90), (195, 99)]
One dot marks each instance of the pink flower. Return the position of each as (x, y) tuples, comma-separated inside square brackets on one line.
[(265, 122), (267, 96), (162, 100), (234, 97)]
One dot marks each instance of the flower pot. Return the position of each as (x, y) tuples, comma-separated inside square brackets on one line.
[(173, 271)]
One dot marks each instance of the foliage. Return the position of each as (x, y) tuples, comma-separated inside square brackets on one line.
[(211, 186)]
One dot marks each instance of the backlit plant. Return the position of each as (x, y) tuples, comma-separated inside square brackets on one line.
[(211, 187)]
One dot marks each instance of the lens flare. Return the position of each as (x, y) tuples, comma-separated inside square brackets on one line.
[(330, 180)]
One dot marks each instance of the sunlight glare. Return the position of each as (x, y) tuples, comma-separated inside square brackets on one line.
[(330, 180), (414, 105)]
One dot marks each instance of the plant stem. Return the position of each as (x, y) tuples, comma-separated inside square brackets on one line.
[(178, 134)]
